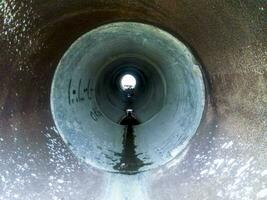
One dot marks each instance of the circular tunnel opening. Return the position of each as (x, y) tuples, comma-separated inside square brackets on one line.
[(127, 82), (121, 126), (146, 99)]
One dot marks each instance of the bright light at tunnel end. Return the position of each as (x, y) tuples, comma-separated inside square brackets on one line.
[(128, 81), (91, 106)]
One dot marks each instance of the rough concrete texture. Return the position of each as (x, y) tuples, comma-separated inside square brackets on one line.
[(227, 159), (79, 109)]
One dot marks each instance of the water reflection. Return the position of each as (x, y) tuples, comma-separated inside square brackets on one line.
[(129, 162)]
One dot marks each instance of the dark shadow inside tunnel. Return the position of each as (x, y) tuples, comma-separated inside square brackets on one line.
[(169, 85), (129, 162), (84, 114)]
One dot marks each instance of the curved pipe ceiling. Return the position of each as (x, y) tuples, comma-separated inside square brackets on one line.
[(224, 159)]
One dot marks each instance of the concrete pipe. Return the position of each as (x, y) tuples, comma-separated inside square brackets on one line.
[(191, 125)]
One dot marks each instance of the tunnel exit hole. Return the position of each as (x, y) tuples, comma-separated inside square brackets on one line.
[(89, 97), (128, 81)]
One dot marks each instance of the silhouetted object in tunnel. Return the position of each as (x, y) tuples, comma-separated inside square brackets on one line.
[(169, 82), (129, 162), (205, 141)]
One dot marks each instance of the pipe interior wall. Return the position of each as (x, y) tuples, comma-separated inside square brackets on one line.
[(225, 159)]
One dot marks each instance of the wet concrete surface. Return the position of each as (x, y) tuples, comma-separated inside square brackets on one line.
[(129, 162), (225, 160)]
